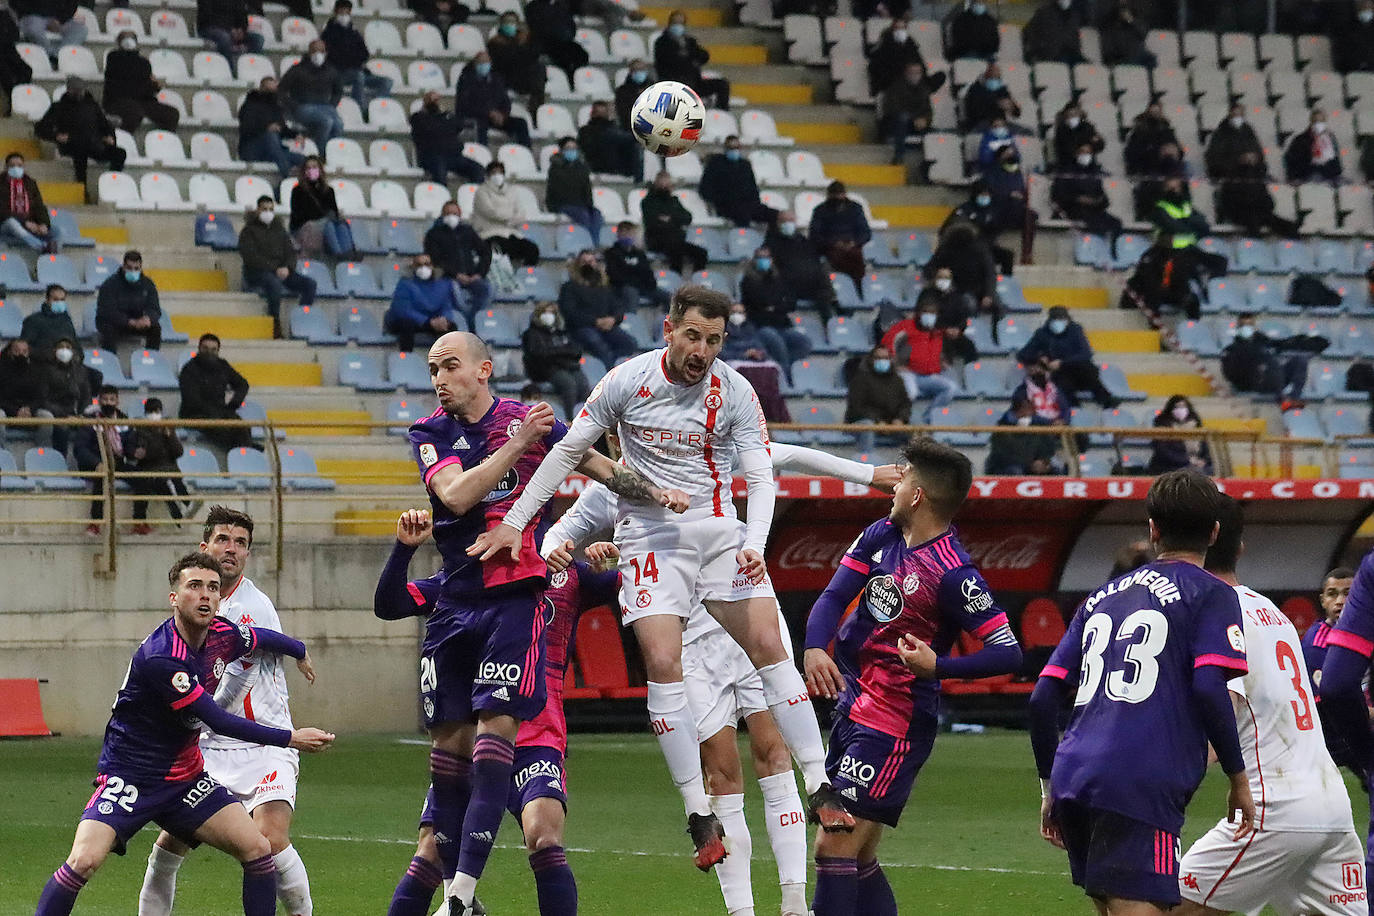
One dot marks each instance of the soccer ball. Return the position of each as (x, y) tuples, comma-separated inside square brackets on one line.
[(667, 118)]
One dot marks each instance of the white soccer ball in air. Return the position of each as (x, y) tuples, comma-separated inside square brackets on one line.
[(667, 118)]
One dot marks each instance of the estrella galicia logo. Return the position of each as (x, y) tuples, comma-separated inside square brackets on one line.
[(884, 598), (549, 612)]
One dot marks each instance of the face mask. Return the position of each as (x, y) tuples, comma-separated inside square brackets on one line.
[(266, 216), (1065, 4), (1023, 421), (787, 228), (639, 76), (1085, 160), (344, 20), (133, 275), (977, 9), (313, 174), (108, 410), (451, 220), (1365, 15), (1180, 413), (1073, 122), (128, 44), (15, 171), (508, 29), (882, 366), (1010, 166), (926, 321), (763, 263), (899, 35), (155, 415), (1058, 326), (209, 356), (317, 58), (589, 272), (59, 307), (993, 83), (1318, 127), (944, 284), (983, 200), (424, 272), (498, 178), (1001, 133), (570, 155), (1245, 331), (625, 241), (737, 318), (64, 355), (733, 155), (483, 69), (1237, 123), (548, 319), (677, 30)]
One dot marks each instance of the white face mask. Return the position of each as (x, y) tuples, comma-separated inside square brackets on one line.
[(128, 44), (424, 272), (1065, 4), (266, 216), (548, 319), (737, 318), (451, 220), (1180, 413), (344, 20), (899, 35), (64, 355), (1365, 15), (497, 178), (1318, 127), (1237, 123), (926, 320), (787, 227), (1023, 421), (1085, 160), (1073, 122), (317, 58), (152, 416), (944, 284)]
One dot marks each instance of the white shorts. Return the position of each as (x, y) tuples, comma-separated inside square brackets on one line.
[(670, 568), (722, 684), (1291, 871), (256, 775)]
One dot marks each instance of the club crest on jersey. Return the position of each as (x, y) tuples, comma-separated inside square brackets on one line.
[(559, 579), (181, 682), (643, 599), (713, 401), (910, 584), (429, 455), (219, 667), (1236, 637), (513, 427), (884, 598)]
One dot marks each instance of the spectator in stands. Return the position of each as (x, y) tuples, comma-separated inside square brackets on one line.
[(51, 323), (316, 223), (1148, 191), (1179, 226), (1314, 154), (1078, 195), (24, 217), (1051, 35), (1022, 454), (87, 452), (80, 129), (630, 271), (554, 31), (1177, 454), (1071, 131), (876, 394), (438, 149), (50, 24), (952, 315), (310, 91), (746, 352), (482, 98), (22, 394), (569, 189), (211, 389), (66, 382), (769, 303), (14, 71), (922, 373), (440, 13), (797, 261), (346, 52), (130, 89), (224, 25), (263, 134), (515, 59), (1062, 348), (904, 109), (969, 257), (458, 252), (840, 230), (1150, 133), (1231, 139), (895, 51), (1352, 45), (1255, 362), (156, 448), (594, 311), (678, 56), (996, 138), (1006, 184), (1122, 37), (269, 260), (425, 303), (987, 99), (610, 148), (978, 211), (1050, 402), (498, 215), (665, 226), (970, 30), (729, 186), (127, 306), (636, 80), (1244, 199), (553, 357)]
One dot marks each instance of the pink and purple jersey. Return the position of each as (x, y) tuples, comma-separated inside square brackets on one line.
[(932, 592), (148, 736), (1314, 645), (1355, 628), (441, 440), (1137, 742)]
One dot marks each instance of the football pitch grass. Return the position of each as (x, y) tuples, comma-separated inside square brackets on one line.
[(967, 845)]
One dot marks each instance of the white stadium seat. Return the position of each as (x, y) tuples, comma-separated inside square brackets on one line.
[(36, 58), (423, 75), (247, 190), (117, 189), (212, 69), (212, 150), (164, 147), (390, 199), (160, 191), (29, 100), (123, 20), (430, 198), (252, 69), (77, 60), (466, 42), (389, 158), (344, 155), (518, 160), (298, 32), (384, 39), (208, 191), (211, 109), (425, 40)]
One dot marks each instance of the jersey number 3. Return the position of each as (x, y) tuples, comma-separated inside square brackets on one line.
[(1145, 631), (1288, 660)]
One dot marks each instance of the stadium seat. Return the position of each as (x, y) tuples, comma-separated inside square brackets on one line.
[(601, 656), (532, 283), (1042, 624), (251, 467), (149, 367), (60, 269), (324, 280), (211, 109), (409, 370), (1345, 421), (961, 414), (361, 326), (117, 189), (1115, 381), (99, 267), (1197, 337), (570, 239), (30, 101), (11, 478), (169, 334), (314, 324), (160, 191), (14, 274), (299, 470), (815, 378), (741, 242), (11, 321), (207, 191), (40, 461), (424, 75), (1303, 424), (360, 370), (1335, 256), (247, 190), (77, 60), (345, 155), (403, 412), (388, 157), (356, 279), (757, 126)]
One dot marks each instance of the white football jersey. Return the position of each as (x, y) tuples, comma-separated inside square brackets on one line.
[(1295, 784), (266, 701)]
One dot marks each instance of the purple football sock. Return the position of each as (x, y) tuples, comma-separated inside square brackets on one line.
[(875, 894), (416, 890), (837, 889), (554, 882), (492, 759), (59, 894), (260, 887), (450, 778)]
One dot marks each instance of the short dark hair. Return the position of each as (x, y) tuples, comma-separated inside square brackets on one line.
[(495, 165), (152, 404), (223, 515), (207, 336), (1340, 572), (268, 198), (52, 286), (1224, 553), (710, 303), (835, 187), (196, 559), (564, 141), (626, 224), (945, 473), (107, 389), (132, 254), (14, 155), (733, 137), (1185, 506)]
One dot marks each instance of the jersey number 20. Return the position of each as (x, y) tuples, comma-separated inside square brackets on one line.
[(1145, 631)]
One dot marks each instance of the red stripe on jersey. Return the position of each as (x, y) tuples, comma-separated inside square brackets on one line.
[(528, 679), (1221, 661), (707, 451), (947, 553), (1230, 868), (248, 706), (1260, 802), (416, 594), (857, 566), (999, 621), (1055, 671), (190, 698), (1157, 863), (1347, 640), (451, 459)]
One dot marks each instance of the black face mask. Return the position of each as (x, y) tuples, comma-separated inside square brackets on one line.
[(210, 357), (108, 410), (589, 272)]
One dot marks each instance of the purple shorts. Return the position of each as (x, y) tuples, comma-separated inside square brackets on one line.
[(177, 807), (489, 655), (1112, 855), (537, 773), (875, 772)]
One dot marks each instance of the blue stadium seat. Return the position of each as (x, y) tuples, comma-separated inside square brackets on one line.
[(536, 284), (809, 324), (409, 371), (1013, 297), (634, 325), (64, 223), (817, 413), (1213, 244), (299, 471), (984, 380), (1197, 337), (14, 274), (713, 240), (913, 250), (319, 272), (216, 230), (310, 322), (164, 323), (362, 371), (99, 267), (1324, 381), (1350, 468), (740, 242), (1115, 381), (1295, 255), (1346, 421), (359, 324), (60, 269), (570, 239), (251, 467), (108, 364), (197, 464), (717, 280), (1092, 251), (1353, 339), (846, 296), (38, 460), (252, 410), (1129, 247), (960, 414), (11, 321), (816, 378), (1227, 294), (497, 328), (1115, 418), (1303, 424), (400, 236), (879, 288), (542, 236), (389, 273), (1255, 255), (403, 412), (10, 476), (149, 367), (848, 334), (1335, 256), (1270, 295), (356, 279), (667, 280), (1085, 414), (594, 369), (1013, 333)]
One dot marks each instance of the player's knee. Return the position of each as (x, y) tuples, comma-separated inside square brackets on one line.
[(426, 848), (663, 667), (723, 782), (277, 839), (543, 837), (254, 848), (85, 860)]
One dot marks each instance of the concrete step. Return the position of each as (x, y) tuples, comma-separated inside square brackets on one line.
[(341, 422), (1108, 344), (735, 55), (175, 279), (209, 305), (288, 374), (369, 472), (227, 327), (1072, 297), (697, 16)]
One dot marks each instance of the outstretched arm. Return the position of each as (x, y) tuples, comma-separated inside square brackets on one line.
[(1045, 702)]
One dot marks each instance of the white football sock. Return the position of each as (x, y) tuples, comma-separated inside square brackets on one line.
[(790, 704), (733, 870), (159, 883), (464, 887), (677, 738), (786, 819), (293, 884)]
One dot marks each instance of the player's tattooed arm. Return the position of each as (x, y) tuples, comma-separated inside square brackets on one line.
[(627, 483)]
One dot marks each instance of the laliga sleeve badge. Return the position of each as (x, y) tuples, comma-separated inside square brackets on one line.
[(181, 682), (1236, 637), (429, 455)]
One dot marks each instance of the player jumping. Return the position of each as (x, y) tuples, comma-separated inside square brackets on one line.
[(1149, 656), (678, 412), (482, 662), (920, 590), (150, 766), (1304, 855), (253, 688)]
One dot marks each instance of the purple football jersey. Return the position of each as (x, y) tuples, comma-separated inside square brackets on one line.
[(1136, 743), (1355, 629)]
